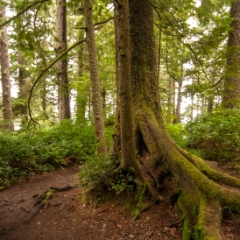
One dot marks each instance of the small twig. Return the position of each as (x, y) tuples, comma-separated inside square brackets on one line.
[(34, 213), (173, 224), (25, 209), (104, 21), (100, 211)]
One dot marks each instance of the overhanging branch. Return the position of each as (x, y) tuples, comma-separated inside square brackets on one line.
[(20, 13), (42, 73)]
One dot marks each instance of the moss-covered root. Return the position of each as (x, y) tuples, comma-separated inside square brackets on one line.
[(209, 220), (202, 217), (141, 206)]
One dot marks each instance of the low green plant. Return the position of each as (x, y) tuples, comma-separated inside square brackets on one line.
[(123, 182), (101, 176), (177, 133), (217, 135), (23, 154)]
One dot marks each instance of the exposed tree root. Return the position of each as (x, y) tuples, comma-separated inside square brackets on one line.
[(204, 191), (42, 200)]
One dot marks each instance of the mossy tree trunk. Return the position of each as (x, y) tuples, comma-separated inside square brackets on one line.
[(129, 160), (231, 93), (203, 191)]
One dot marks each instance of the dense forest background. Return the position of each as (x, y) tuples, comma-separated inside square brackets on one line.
[(191, 39), (63, 95)]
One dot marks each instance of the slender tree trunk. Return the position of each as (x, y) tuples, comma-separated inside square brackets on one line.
[(179, 97), (95, 83), (44, 99), (171, 101), (192, 108), (231, 93), (24, 88), (210, 100), (179, 102), (82, 96), (61, 66), (5, 76), (104, 102)]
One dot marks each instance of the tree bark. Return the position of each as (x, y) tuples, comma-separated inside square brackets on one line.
[(24, 88), (5, 76), (179, 102), (95, 83), (82, 96), (231, 93), (201, 187), (129, 160), (61, 66), (171, 101), (210, 102)]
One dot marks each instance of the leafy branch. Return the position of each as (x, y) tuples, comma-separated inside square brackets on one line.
[(20, 13), (42, 73)]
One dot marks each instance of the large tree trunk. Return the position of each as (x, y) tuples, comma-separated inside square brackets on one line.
[(129, 160), (5, 76), (231, 93), (61, 66), (201, 187), (95, 83)]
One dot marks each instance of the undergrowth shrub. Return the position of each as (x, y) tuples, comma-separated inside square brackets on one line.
[(177, 133), (217, 136), (103, 176), (23, 154)]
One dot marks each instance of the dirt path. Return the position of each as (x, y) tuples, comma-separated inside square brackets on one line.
[(67, 217)]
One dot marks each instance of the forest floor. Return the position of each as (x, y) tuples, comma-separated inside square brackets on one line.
[(68, 217)]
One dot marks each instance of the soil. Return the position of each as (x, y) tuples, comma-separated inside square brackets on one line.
[(68, 217)]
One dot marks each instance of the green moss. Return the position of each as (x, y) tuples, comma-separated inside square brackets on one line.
[(215, 175), (187, 231), (140, 206), (188, 204)]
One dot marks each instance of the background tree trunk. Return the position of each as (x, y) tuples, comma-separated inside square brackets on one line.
[(5, 76), (95, 83), (61, 66), (210, 102), (179, 102), (82, 96), (171, 101), (24, 88), (231, 93)]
